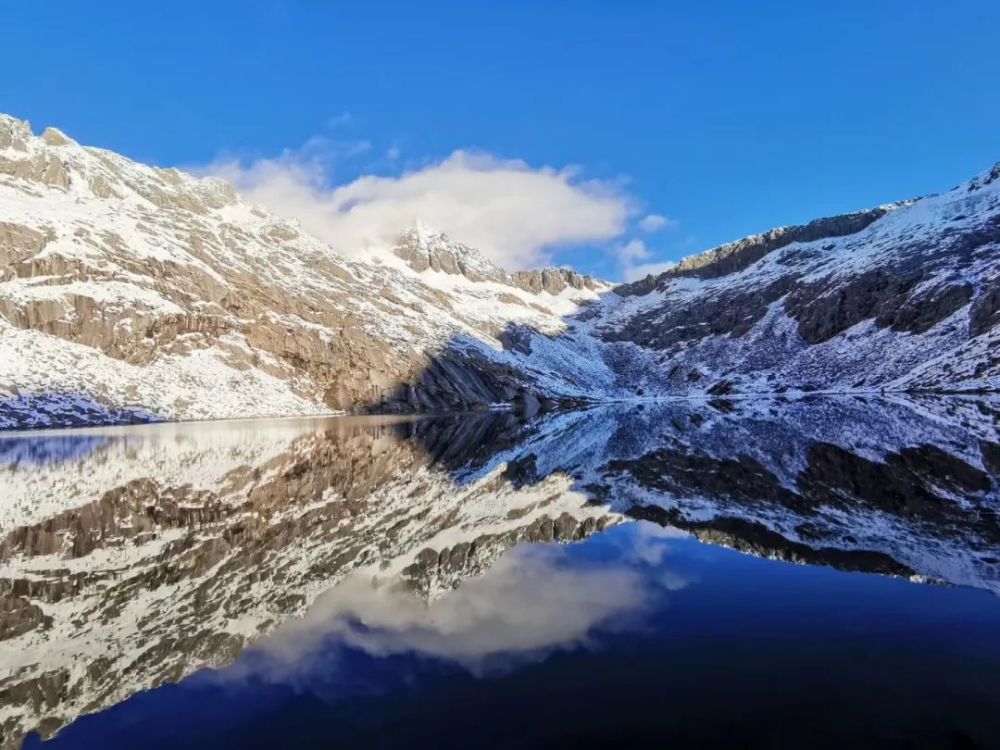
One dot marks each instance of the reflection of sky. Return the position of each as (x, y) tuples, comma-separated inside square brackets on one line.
[(41, 410), (40, 450), (534, 599), (634, 633)]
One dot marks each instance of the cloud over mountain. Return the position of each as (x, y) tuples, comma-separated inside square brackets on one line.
[(514, 213)]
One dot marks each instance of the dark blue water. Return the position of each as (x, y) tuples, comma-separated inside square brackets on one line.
[(819, 573), (716, 649)]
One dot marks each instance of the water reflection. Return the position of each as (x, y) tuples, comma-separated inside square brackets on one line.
[(532, 600), (133, 557)]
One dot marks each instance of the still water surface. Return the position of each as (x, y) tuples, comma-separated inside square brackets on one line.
[(742, 573)]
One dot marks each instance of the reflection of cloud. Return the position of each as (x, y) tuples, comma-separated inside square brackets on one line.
[(530, 602), (649, 543)]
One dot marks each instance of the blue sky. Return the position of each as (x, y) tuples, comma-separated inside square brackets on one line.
[(728, 118)]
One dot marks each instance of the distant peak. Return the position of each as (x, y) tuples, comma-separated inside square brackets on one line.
[(421, 230), (989, 177), (14, 133), (9, 121), (423, 248), (426, 250), (423, 235), (55, 137)]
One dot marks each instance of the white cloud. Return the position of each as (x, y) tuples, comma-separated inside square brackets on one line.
[(513, 213), (631, 253), (535, 599), (640, 271), (633, 250), (655, 222), (340, 120)]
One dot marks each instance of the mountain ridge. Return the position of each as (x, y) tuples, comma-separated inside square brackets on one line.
[(134, 293), (427, 250), (735, 255)]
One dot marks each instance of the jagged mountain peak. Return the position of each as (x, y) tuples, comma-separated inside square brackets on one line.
[(55, 137), (53, 160), (424, 249), (421, 233), (735, 256), (984, 180), (11, 127)]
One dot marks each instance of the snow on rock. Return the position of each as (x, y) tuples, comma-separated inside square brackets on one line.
[(148, 289), (162, 550), (132, 290), (905, 296)]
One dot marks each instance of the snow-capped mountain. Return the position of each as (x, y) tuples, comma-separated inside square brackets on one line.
[(130, 293), (905, 296), (423, 250)]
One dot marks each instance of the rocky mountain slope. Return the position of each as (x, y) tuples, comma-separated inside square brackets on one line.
[(130, 293), (905, 296)]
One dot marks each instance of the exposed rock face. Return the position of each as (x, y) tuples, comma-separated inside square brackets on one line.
[(985, 313), (730, 313), (147, 290), (423, 250), (554, 280), (130, 293), (16, 244), (900, 297), (873, 295)]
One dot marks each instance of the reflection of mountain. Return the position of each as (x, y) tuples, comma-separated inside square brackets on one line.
[(160, 550), (896, 486), (178, 546), (902, 487)]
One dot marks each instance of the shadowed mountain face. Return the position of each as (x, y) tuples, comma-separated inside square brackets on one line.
[(130, 293), (132, 557)]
